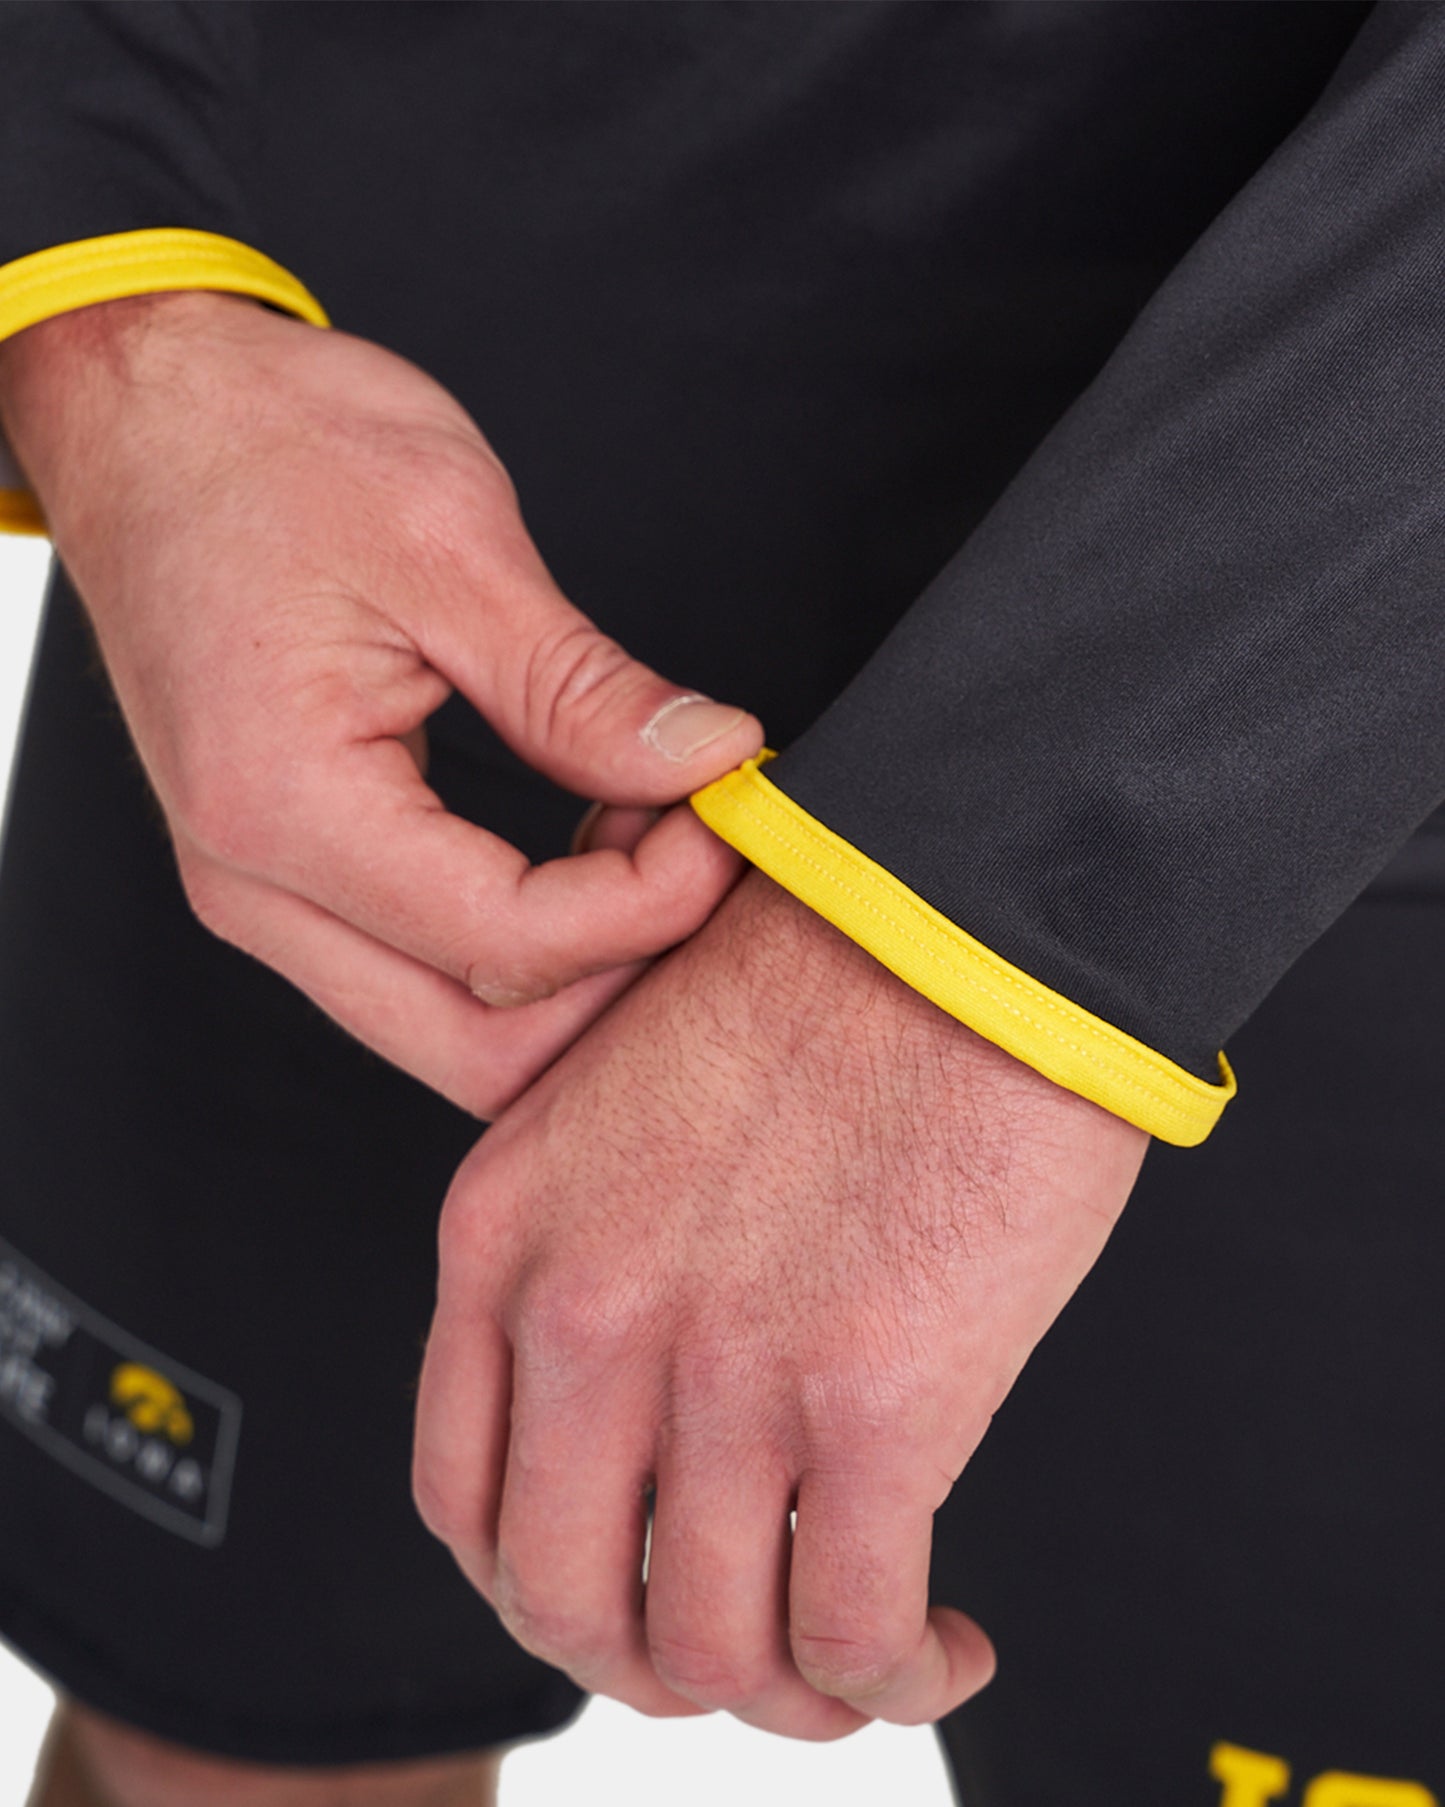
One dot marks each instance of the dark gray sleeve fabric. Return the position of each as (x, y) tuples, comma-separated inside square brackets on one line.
[(1182, 694), (120, 117)]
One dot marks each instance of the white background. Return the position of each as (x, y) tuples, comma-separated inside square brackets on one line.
[(611, 1754)]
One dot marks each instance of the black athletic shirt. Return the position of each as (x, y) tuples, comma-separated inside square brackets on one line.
[(1034, 411)]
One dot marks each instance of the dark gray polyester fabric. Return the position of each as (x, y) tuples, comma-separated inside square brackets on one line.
[(765, 305), (1183, 692)]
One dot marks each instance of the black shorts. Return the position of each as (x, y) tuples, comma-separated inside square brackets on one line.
[(1203, 1532)]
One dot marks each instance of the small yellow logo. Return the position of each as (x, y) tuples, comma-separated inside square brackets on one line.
[(151, 1403)]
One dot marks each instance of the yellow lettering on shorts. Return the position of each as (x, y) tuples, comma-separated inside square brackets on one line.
[(1250, 1778), (1336, 1789)]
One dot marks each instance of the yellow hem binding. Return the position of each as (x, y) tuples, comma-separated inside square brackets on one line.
[(66, 277), (937, 958)]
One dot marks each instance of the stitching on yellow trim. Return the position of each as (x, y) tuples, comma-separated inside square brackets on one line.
[(1059, 1006), (985, 956), (1191, 1106), (1144, 1086), (778, 799), (170, 253), (130, 260)]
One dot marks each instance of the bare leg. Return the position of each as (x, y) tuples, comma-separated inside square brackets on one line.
[(90, 1761), (58, 1779)]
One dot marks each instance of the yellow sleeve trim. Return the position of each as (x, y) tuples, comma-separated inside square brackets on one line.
[(66, 277), (942, 961)]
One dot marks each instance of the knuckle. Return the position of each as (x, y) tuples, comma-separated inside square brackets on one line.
[(576, 1325), (546, 1627), (572, 673), (216, 819), (711, 1677), (854, 1402), (212, 900), (448, 499), (478, 1231), (456, 518), (720, 1384), (436, 1505), (250, 820), (459, 1237)]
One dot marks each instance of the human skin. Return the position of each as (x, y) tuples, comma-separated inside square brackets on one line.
[(775, 1234), (293, 546), (92, 1761)]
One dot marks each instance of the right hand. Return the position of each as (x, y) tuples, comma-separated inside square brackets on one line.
[(293, 546)]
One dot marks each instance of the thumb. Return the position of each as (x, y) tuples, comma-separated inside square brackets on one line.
[(578, 708)]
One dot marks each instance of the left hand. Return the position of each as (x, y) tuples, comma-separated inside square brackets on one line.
[(293, 546), (776, 1234)]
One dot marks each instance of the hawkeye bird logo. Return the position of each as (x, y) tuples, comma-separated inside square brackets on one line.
[(151, 1403)]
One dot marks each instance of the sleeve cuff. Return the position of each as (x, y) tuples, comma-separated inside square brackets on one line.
[(1068, 1045), (65, 277)]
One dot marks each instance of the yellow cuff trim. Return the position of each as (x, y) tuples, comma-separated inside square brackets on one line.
[(937, 958), (66, 277)]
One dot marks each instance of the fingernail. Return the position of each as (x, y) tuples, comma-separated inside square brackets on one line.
[(582, 833), (687, 724), (507, 997)]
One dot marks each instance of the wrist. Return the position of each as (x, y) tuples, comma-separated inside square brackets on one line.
[(806, 977), (63, 379)]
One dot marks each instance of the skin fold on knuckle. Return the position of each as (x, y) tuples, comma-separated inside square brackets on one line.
[(573, 1330), (547, 1627), (571, 675), (712, 1677), (870, 1410)]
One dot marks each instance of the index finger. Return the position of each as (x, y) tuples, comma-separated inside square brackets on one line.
[(860, 1625), (381, 852)]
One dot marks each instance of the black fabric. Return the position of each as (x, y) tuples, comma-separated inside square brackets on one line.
[(1183, 692), (1209, 1511), (1180, 695), (196, 1153), (764, 306), (118, 118)]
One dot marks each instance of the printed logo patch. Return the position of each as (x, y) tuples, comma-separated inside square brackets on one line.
[(149, 1432)]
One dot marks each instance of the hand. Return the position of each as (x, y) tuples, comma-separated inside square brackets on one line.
[(293, 546), (775, 1234)]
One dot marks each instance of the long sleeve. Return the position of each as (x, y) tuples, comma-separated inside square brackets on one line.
[(124, 141), (1183, 692)]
